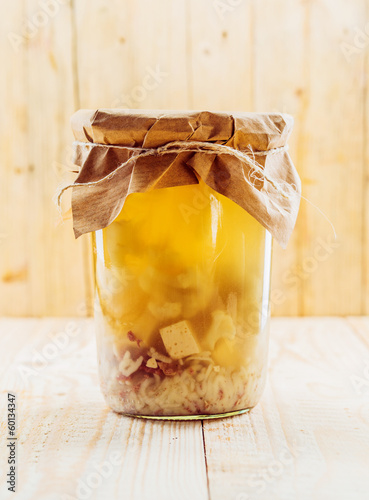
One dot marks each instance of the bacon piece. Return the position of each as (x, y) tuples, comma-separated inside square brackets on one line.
[(147, 369), (169, 369), (132, 337)]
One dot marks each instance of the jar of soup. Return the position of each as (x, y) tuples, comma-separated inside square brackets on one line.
[(183, 207)]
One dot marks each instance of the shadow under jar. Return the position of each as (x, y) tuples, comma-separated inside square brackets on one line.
[(182, 268)]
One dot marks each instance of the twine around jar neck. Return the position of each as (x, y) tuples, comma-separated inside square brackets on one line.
[(177, 147)]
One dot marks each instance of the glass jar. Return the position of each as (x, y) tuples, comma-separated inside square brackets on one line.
[(182, 305), (182, 206)]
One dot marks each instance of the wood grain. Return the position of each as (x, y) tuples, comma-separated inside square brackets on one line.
[(307, 438), (266, 55), (15, 171), (67, 434), (283, 91), (113, 37), (365, 186), (334, 136), (41, 265), (221, 55)]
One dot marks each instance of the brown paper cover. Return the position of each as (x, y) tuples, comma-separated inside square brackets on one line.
[(106, 139)]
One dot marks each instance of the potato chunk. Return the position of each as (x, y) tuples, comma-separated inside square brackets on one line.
[(179, 340)]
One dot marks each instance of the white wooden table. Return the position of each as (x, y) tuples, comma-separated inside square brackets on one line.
[(307, 439)]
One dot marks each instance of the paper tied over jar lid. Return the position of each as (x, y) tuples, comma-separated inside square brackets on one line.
[(242, 156)]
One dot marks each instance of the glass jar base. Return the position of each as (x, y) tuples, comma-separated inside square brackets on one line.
[(190, 417)]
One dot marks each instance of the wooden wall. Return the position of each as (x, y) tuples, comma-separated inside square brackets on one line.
[(308, 58)]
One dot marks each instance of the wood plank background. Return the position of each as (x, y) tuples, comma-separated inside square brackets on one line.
[(306, 58)]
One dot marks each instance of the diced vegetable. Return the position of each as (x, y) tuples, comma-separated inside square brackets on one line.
[(179, 340)]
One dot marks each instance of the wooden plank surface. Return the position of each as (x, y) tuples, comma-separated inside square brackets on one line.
[(307, 438), (139, 47), (41, 265), (54, 257), (14, 167), (308, 75), (221, 55), (283, 91), (365, 186), (214, 55), (333, 135)]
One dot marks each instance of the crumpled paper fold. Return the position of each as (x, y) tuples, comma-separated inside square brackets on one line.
[(120, 152)]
